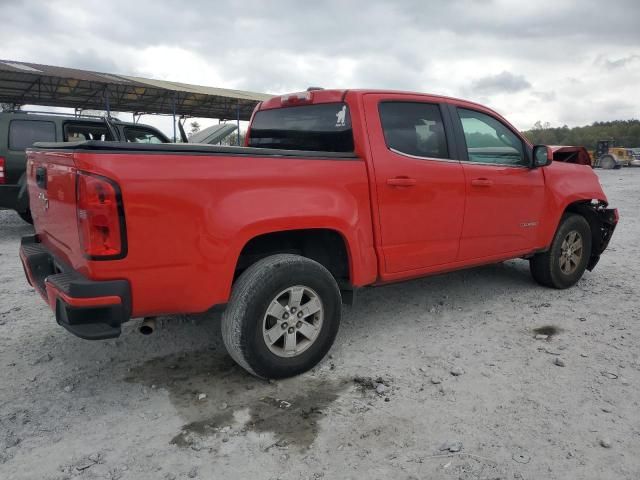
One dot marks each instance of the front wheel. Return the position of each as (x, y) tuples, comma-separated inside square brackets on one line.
[(565, 262), (283, 316)]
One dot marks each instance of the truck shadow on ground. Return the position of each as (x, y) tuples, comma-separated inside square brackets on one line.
[(218, 400)]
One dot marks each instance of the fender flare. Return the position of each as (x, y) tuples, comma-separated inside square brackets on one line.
[(362, 262)]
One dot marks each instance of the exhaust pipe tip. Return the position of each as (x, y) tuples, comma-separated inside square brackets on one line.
[(147, 326)]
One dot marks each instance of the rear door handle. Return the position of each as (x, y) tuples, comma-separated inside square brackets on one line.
[(481, 182), (41, 177), (401, 182)]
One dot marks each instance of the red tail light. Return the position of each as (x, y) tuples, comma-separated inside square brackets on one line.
[(100, 217), (3, 178)]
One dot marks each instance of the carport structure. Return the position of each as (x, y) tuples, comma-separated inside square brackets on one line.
[(23, 83)]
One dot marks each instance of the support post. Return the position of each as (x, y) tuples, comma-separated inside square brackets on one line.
[(173, 102), (238, 120), (106, 101)]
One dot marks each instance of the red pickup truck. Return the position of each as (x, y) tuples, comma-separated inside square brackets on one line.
[(334, 190)]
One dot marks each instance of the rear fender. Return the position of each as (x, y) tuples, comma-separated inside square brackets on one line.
[(250, 213)]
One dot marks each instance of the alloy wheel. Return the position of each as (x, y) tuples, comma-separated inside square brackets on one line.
[(293, 321)]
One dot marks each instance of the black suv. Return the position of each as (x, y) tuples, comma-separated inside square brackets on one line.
[(19, 130)]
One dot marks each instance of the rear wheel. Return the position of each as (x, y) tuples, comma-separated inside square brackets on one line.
[(607, 162), (283, 316), (565, 262)]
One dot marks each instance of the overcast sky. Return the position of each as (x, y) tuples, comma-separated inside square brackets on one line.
[(559, 61)]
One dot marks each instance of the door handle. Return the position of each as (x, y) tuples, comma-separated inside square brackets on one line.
[(401, 182), (481, 182)]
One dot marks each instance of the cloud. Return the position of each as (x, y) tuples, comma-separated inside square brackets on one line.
[(545, 96), (617, 63), (504, 82), (89, 59), (517, 57)]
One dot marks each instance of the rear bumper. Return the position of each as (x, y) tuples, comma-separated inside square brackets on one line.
[(93, 310), (9, 196)]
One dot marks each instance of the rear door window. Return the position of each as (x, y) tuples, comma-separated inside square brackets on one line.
[(141, 135), (80, 131), (414, 128), (324, 127), (24, 133)]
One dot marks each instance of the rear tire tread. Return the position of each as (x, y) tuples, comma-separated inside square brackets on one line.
[(255, 280)]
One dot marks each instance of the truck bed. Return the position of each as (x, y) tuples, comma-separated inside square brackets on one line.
[(185, 148), (189, 210)]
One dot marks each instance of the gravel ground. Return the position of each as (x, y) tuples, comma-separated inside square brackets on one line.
[(436, 378)]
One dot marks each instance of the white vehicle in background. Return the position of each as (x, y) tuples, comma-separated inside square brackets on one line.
[(213, 134)]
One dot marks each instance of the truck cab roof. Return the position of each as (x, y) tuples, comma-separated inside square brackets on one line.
[(317, 95)]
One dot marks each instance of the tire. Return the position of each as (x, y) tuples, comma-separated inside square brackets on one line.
[(26, 216), (607, 162), (561, 266), (271, 286)]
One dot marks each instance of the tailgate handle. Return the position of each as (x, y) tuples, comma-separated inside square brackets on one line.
[(41, 177)]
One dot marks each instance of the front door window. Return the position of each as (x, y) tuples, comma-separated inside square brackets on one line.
[(489, 141)]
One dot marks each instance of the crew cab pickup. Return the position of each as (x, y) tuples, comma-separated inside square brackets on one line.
[(334, 190)]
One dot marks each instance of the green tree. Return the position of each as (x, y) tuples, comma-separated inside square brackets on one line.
[(625, 133)]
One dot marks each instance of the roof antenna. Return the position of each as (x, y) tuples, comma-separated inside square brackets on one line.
[(311, 89)]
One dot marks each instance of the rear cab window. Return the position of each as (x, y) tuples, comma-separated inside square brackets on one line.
[(322, 127), (24, 133)]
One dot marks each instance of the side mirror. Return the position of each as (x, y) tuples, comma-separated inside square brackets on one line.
[(542, 156)]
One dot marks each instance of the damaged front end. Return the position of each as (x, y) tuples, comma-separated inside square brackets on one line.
[(603, 222)]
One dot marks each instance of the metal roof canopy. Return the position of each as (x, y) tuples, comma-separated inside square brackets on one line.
[(30, 83)]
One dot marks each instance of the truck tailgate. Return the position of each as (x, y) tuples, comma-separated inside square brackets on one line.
[(51, 179)]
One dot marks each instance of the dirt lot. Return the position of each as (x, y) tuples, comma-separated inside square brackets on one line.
[(435, 378)]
